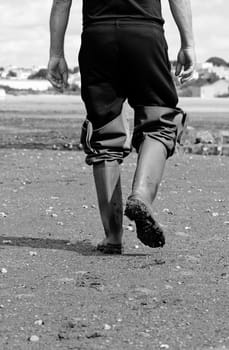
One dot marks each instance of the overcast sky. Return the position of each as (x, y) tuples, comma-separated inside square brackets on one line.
[(24, 33)]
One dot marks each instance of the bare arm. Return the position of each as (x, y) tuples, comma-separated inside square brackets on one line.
[(58, 23), (182, 14), (57, 67)]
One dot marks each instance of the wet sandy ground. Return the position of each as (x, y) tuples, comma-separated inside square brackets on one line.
[(56, 292)]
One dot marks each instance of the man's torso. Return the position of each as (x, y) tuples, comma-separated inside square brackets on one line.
[(103, 10)]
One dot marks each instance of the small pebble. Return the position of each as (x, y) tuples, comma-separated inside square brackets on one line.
[(215, 214), (6, 241), (130, 228), (107, 327), (3, 215), (34, 338), (60, 223), (166, 210), (164, 346), (85, 206), (3, 270), (39, 323), (32, 253)]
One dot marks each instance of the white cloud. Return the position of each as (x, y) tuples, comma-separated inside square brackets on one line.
[(24, 36), (210, 25)]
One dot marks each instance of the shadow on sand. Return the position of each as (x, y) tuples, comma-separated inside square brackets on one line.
[(84, 247)]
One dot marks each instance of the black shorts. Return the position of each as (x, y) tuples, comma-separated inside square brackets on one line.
[(122, 60)]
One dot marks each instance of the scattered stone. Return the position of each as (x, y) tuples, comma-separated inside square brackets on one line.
[(7, 241), (53, 215), (85, 206), (164, 346), (204, 136), (39, 322), (3, 271), (34, 338), (211, 150), (3, 215), (68, 146), (130, 228), (168, 211), (168, 286), (33, 253), (226, 222), (60, 223), (215, 214), (107, 327)]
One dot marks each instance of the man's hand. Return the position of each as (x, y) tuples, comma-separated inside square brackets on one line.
[(186, 61), (57, 73)]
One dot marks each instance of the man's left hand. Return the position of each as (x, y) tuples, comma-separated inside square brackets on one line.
[(186, 61)]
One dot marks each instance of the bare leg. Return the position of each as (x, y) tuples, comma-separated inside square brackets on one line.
[(109, 194)]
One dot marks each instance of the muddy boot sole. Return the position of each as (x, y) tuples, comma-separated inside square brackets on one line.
[(148, 230)]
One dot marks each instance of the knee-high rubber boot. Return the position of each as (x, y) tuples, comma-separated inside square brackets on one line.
[(109, 194), (150, 167)]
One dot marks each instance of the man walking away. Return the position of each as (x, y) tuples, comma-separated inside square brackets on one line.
[(124, 56)]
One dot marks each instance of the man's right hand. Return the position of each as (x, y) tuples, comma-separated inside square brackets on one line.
[(186, 61), (57, 73)]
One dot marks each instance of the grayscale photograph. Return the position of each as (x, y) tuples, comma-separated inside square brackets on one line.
[(114, 175)]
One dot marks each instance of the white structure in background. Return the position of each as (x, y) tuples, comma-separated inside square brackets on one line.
[(36, 85), (21, 73), (219, 88), (221, 71), (2, 94), (74, 79)]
